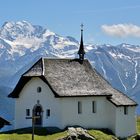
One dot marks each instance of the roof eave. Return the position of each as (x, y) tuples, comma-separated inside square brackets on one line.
[(5, 122), (120, 105), (21, 83), (68, 96)]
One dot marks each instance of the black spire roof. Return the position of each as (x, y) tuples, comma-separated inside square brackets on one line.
[(81, 50)]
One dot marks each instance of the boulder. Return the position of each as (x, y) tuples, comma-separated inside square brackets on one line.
[(137, 137), (78, 133)]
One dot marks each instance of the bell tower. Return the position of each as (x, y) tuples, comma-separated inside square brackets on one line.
[(81, 50)]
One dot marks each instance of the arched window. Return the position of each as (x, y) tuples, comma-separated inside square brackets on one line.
[(38, 112)]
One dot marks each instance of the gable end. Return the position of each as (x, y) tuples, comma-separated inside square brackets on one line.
[(22, 82)]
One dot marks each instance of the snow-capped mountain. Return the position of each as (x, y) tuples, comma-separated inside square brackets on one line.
[(120, 65), (21, 44), (24, 42)]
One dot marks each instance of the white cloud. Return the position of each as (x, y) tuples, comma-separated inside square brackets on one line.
[(122, 30)]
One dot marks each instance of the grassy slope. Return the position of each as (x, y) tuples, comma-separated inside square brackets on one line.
[(28, 136), (25, 134), (138, 124), (20, 135), (99, 135)]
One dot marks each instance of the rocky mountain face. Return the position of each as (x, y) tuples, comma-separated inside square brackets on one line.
[(21, 44)]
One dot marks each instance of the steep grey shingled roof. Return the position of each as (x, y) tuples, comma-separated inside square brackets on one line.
[(120, 99), (35, 70), (69, 78)]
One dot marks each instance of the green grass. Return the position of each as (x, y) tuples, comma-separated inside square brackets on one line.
[(138, 124), (44, 134), (40, 134), (28, 136), (16, 136), (100, 135)]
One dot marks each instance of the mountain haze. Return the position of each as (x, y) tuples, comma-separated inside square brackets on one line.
[(22, 44)]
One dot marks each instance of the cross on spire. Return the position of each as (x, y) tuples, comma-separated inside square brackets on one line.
[(82, 25), (81, 50)]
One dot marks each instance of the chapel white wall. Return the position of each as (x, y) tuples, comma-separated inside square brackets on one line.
[(64, 111), (28, 99), (111, 116), (88, 119), (125, 124)]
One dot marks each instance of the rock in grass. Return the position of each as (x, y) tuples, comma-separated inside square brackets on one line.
[(78, 134), (137, 137)]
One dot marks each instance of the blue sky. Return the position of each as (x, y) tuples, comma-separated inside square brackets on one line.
[(105, 21)]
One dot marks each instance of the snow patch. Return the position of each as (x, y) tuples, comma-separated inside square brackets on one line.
[(104, 71), (121, 81), (48, 33), (136, 74)]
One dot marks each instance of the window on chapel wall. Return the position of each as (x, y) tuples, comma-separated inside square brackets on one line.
[(48, 113), (27, 112), (93, 106), (125, 110), (79, 107), (39, 89)]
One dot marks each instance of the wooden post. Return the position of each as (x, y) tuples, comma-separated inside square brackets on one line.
[(33, 123)]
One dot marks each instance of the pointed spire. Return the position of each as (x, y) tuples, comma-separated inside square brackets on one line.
[(81, 51)]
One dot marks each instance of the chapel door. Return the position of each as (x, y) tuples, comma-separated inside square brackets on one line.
[(38, 115)]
